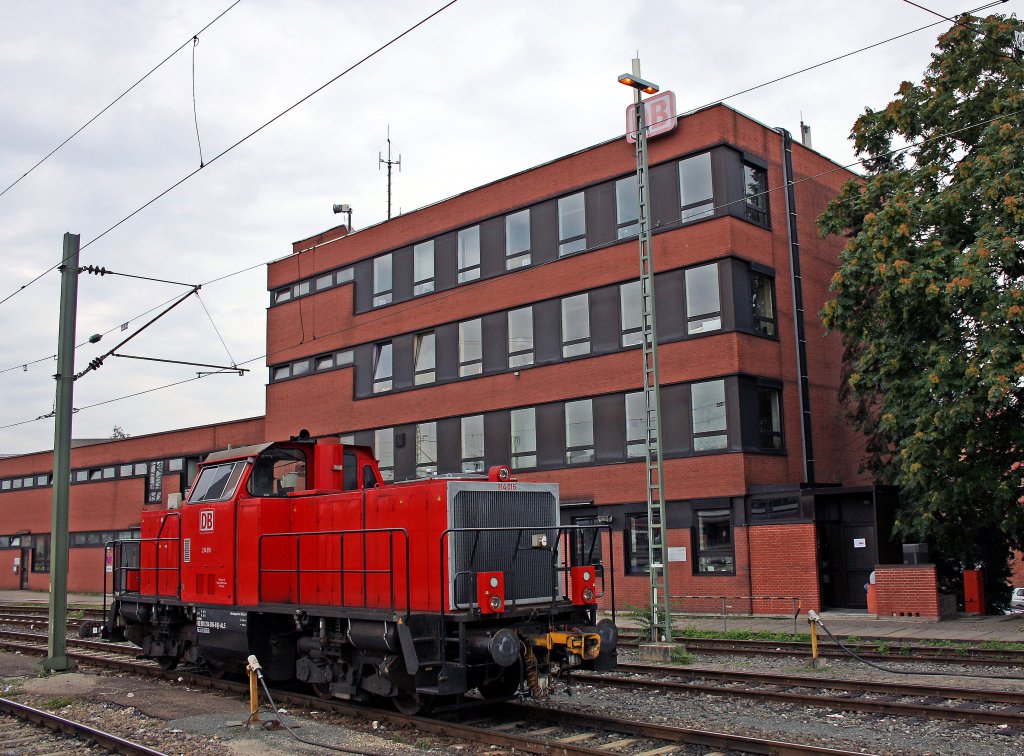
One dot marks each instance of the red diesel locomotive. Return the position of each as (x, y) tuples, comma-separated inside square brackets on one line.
[(300, 553)]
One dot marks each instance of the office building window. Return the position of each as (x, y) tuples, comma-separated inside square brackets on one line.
[(763, 303), (695, 189), (384, 451), (572, 225), (426, 449), (473, 443), (381, 280), (423, 268), (627, 207), (579, 432), (755, 191), (769, 418), (524, 438), (517, 240), (424, 358), (636, 425), (520, 337), (714, 542), (471, 351), (638, 555), (703, 303), (708, 411), (576, 325), (585, 544), (631, 309), (41, 553), (469, 254), (382, 367), (324, 282)]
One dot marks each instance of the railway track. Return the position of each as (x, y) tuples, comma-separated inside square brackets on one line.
[(526, 727), (27, 731), (976, 706), (896, 652)]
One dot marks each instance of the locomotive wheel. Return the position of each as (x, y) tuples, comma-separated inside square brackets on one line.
[(322, 691), (503, 686), (412, 704), (167, 663)]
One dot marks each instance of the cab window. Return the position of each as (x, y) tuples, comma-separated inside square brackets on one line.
[(278, 472), (217, 483)]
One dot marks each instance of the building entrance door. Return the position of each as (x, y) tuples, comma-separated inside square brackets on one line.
[(853, 536), (26, 555)]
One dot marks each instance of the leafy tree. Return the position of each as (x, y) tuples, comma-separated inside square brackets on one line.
[(119, 433), (929, 296)]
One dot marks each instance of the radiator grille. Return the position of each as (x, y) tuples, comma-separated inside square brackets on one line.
[(529, 573)]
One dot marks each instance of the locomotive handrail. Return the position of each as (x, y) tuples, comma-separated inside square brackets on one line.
[(341, 571), (589, 559), (556, 569), (116, 550)]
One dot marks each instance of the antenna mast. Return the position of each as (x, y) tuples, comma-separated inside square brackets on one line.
[(389, 162)]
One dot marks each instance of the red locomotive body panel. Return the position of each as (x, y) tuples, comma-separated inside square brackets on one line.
[(300, 553)]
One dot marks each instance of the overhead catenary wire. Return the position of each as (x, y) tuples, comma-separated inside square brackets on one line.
[(735, 94), (400, 312), (117, 99), (236, 144), (241, 141)]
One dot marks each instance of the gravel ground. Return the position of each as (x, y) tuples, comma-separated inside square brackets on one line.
[(172, 718), (806, 725)]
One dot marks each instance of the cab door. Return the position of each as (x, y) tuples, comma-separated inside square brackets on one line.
[(208, 535)]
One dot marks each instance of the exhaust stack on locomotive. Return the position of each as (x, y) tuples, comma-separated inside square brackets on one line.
[(299, 552)]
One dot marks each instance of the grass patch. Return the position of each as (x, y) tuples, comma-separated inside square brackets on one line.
[(681, 656), (761, 635), (58, 703), (10, 688), (1001, 646), (76, 613)]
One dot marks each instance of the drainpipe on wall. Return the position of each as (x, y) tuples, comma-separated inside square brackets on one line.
[(798, 309)]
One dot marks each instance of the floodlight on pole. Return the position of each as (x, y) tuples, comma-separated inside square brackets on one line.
[(637, 83)]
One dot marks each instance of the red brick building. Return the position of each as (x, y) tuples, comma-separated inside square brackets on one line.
[(502, 325)]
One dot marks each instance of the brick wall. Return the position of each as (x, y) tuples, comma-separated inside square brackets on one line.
[(786, 564), (907, 590)]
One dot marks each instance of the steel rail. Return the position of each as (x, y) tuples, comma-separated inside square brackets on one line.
[(833, 683), (488, 735), (103, 739), (910, 653), (927, 710)]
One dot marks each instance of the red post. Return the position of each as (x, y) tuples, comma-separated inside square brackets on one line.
[(974, 592)]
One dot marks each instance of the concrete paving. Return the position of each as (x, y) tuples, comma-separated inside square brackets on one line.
[(963, 627)]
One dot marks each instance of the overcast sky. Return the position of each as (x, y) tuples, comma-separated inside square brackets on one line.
[(483, 90)]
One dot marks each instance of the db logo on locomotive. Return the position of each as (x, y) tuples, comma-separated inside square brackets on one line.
[(206, 521)]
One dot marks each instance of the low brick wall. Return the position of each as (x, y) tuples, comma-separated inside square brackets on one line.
[(907, 590)]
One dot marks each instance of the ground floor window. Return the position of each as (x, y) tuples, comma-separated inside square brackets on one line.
[(637, 536), (714, 542), (41, 553)]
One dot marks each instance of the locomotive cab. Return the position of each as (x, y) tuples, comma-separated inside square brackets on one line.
[(300, 553)]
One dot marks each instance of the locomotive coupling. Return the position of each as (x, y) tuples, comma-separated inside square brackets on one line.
[(585, 646)]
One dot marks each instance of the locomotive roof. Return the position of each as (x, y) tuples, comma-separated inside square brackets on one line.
[(237, 452)]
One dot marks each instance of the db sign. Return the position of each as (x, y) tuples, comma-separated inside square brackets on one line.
[(206, 521), (659, 115)]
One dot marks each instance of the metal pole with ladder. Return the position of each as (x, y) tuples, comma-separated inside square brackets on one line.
[(661, 623)]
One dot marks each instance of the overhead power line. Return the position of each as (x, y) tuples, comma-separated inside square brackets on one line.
[(248, 136), (432, 301), (118, 98), (735, 94)]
